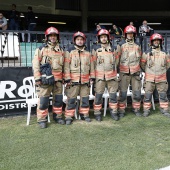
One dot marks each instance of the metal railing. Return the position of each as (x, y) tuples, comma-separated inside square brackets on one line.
[(16, 51)]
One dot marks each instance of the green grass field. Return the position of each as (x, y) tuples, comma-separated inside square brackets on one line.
[(133, 143)]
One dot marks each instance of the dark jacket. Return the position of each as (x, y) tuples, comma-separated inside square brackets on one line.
[(14, 15), (30, 17), (117, 31)]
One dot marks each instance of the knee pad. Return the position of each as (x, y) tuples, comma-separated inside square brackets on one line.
[(85, 102), (123, 96), (71, 103), (113, 97), (98, 99), (44, 102), (163, 97), (137, 95), (148, 97), (58, 100)]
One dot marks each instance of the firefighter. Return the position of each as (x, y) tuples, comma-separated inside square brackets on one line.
[(48, 66), (129, 54), (78, 71), (106, 74), (155, 62)]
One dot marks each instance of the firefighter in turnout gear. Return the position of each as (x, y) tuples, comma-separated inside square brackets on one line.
[(48, 66), (129, 55), (106, 74), (78, 71), (155, 62)]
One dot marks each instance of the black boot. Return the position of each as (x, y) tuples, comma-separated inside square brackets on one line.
[(98, 117), (42, 125), (60, 121), (137, 112), (121, 115), (114, 116), (87, 118), (146, 113), (166, 114), (68, 121)]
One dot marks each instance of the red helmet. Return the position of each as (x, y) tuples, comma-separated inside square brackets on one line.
[(130, 29), (79, 34), (156, 36), (103, 32), (51, 30)]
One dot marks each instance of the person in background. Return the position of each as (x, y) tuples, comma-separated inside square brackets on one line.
[(144, 29), (116, 30), (3, 22), (22, 27), (31, 24), (98, 28), (13, 18), (131, 23)]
